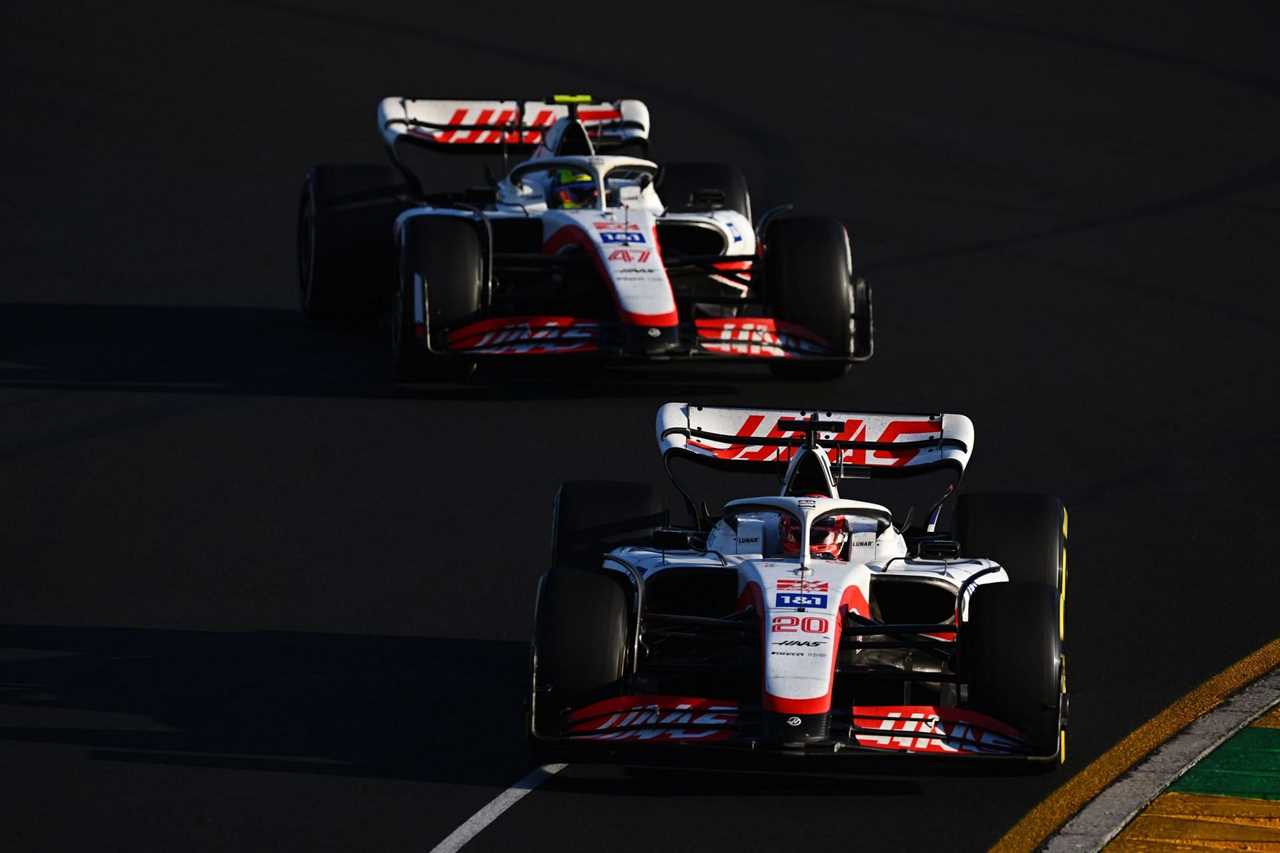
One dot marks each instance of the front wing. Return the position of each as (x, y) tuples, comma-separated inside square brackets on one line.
[(753, 338), (664, 729)]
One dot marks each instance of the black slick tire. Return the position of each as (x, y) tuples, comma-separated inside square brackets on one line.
[(1013, 646), (346, 252), (590, 516), (447, 255), (807, 283), (581, 633)]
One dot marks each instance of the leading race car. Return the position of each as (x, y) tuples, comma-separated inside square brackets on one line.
[(804, 623), (585, 248)]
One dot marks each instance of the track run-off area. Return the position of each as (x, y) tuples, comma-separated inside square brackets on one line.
[(257, 597)]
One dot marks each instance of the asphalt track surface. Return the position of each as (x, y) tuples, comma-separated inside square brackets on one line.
[(255, 597)]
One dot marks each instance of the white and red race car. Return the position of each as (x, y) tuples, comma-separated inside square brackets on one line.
[(584, 248), (804, 622)]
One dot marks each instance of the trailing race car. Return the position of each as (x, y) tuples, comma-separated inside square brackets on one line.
[(803, 623), (585, 248)]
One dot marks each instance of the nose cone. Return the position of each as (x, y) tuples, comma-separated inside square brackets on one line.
[(652, 341), (796, 730)]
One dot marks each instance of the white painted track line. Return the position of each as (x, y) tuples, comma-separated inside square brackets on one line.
[(494, 809)]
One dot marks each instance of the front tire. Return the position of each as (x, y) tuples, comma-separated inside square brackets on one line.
[(581, 632), (807, 283), (1013, 659), (441, 261), (1019, 627)]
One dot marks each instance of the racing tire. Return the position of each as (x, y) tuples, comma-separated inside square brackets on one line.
[(691, 188), (807, 283), (1012, 659), (1024, 533), (589, 516), (579, 653), (346, 251), (448, 254), (864, 331), (1027, 535)]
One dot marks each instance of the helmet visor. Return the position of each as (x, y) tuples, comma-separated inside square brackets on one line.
[(577, 195)]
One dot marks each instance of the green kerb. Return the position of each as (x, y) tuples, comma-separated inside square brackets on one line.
[(1247, 765)]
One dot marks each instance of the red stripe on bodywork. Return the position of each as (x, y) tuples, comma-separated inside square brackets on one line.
[(747, 430), (652, 718), (542, 119), (447, 136), (474, 135), (915, 728), (598, 115), (851, 601), (532, 335), (495, 136), (671, 318), (571, 235)]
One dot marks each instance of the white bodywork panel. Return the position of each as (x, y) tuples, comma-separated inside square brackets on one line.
[(625, 244), (801, 601), (620, 233)]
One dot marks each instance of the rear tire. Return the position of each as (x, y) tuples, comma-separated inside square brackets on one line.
[(346, 251), (807, 283), (581, 632), (691, 188), (1024, 533), (1019, 627), (448, 255), (864, 330), (590, 516)]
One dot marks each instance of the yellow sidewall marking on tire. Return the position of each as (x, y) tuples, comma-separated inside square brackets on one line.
[(1058, 807), (1062, 599), (1062, 632)]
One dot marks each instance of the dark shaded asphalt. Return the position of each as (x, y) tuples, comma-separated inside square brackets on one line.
[(254, 597)]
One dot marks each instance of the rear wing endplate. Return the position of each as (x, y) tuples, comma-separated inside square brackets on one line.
[(857, 444)]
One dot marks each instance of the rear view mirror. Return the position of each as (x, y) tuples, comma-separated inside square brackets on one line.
[(938, 548)]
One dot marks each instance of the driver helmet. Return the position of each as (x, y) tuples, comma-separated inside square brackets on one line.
[(572, 190), (827, 537), (826, 540)]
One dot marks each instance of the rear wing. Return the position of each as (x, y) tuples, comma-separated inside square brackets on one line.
[(486, 126), (857, 444)]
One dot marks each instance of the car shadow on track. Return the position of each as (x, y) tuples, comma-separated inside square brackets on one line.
[(708, 783), (438, 710), (275, 352)]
